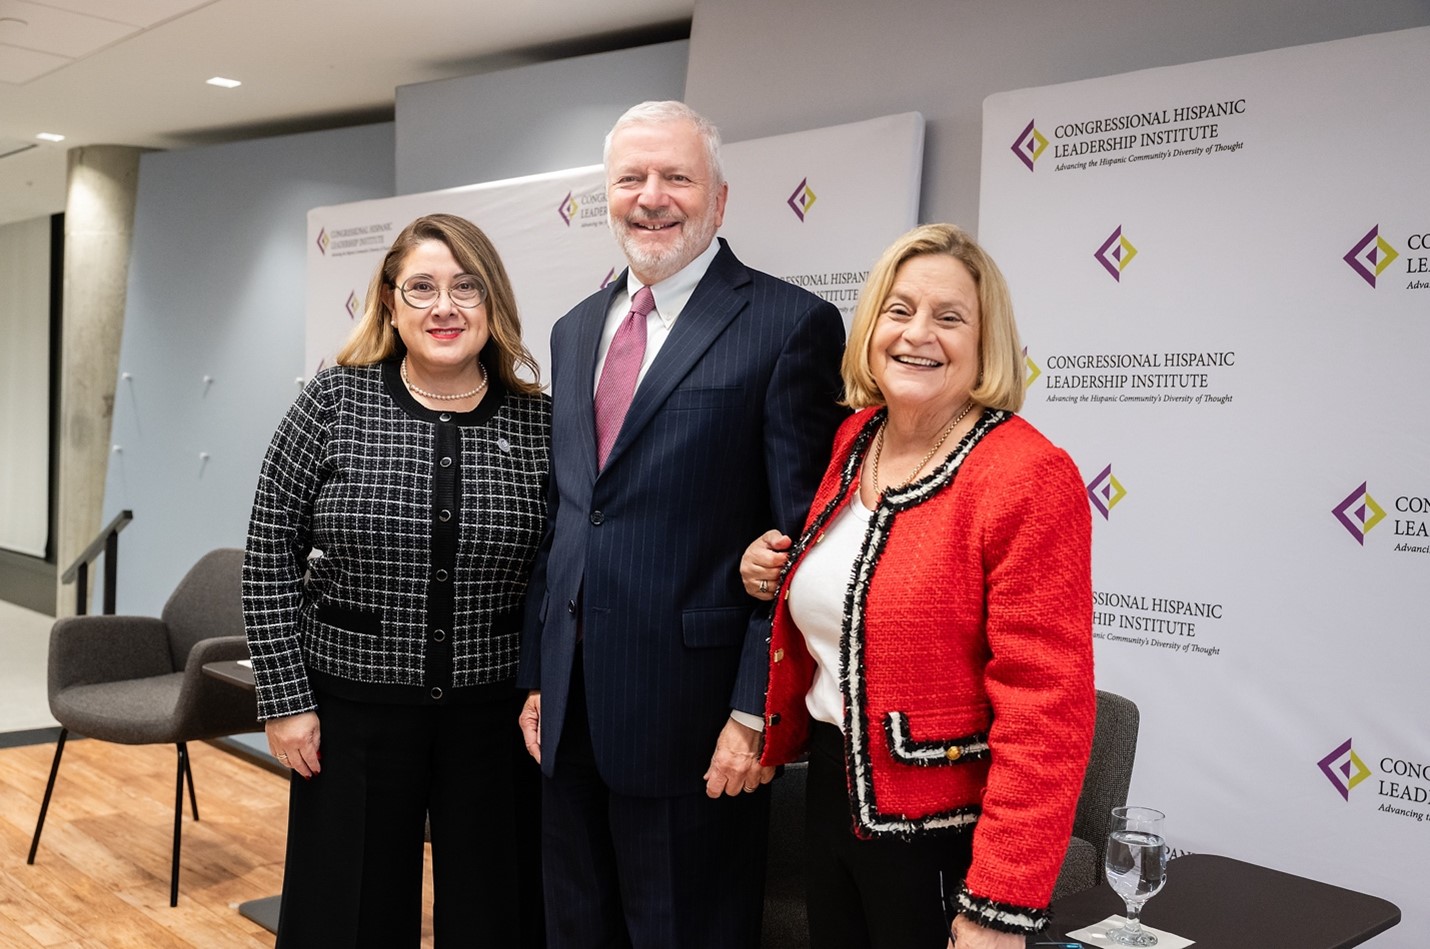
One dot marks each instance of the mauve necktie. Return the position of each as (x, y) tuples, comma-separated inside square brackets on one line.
[(618, 378)]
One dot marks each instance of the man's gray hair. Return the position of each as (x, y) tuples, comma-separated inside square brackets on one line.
[(664, 112)]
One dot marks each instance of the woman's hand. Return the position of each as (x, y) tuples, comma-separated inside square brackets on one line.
[(294, 741), (969, 935), (762, 562)]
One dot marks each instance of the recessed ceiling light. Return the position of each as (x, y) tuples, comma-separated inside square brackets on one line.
[(50, 137), (226, 83)]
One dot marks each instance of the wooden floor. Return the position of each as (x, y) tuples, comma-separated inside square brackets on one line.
[(101, 877)]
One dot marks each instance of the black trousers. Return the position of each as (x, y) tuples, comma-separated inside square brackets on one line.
[(884, 893), (682, 872), (353, 873)]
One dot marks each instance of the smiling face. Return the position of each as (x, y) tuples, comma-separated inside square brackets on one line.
[(923, 352), (662, 197), (442, 340)]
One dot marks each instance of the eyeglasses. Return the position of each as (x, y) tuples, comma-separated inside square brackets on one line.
[(421, 292)]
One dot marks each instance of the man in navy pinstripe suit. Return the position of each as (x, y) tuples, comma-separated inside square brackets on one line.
[(644, 656)]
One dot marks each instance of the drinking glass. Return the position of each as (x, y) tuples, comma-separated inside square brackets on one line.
[(1136, 867)]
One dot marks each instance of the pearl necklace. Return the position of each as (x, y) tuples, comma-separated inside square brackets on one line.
[(442, 398), (879, 448)]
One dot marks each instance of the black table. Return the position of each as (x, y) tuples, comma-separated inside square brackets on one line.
[(262, 911), (1224, 903)]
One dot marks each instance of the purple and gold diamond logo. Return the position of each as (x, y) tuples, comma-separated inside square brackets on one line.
[(1359, 513), (1105, 491), (353, 304), (1116, 253), (323, 241), (802, 199), (568, 208), (1033, 371), (1371, 256), (1344, 769), (1029, 145)]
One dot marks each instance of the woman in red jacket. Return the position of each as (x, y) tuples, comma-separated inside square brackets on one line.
[(932, 637)]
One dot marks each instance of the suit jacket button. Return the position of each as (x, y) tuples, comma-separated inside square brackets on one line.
[(571, 607), (779, 655), (598, 518), (774, 718), (444, 515), (439, 635), (437, 692)]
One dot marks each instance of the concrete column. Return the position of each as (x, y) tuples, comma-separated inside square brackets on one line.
[(99, 226)]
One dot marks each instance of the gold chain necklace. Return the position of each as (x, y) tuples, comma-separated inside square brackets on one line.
[(879, 448), (442, 398)]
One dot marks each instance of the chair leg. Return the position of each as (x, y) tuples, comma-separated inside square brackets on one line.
[(189, 774), (49, 788), (178, 823)]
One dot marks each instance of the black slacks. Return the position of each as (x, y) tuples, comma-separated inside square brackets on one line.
[(884, 893), (682, 872), (353, 873)]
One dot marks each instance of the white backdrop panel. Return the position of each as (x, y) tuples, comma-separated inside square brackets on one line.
[(815, 207), (1222, 278)]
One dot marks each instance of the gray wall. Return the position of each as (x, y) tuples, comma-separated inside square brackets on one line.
[(527, 120), (216, 282), (761, 67), (217, 277)]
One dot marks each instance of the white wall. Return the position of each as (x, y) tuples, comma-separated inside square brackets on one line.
[(25, 386)]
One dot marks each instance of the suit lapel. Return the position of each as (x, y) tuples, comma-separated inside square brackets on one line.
[(717, 300)]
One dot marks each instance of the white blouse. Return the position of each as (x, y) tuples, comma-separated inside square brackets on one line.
[(816, 604)]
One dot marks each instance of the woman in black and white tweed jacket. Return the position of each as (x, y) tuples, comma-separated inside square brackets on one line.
[(397, 517)]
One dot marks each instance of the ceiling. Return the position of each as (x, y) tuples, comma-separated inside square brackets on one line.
[(133, 72)]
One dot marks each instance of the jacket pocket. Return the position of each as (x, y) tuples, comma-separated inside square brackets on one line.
[(930, 752), (718, 626), (368, 622)]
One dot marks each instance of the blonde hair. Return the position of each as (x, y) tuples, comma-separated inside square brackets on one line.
[(375, 338), (1000, 355)]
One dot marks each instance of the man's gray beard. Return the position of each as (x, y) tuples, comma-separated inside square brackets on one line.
[(656, 265)]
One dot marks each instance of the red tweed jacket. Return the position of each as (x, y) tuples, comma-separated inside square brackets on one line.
[(966, 658)]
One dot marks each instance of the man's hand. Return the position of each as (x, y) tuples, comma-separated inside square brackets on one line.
[(294, 741), (735, 765), (530, 721)]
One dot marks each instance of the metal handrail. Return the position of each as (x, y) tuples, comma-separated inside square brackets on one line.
[(107, 543)]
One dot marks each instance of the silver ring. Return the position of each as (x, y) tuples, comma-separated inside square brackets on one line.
[(764, 586)]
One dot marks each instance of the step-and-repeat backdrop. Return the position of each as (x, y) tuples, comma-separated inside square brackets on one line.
[(1222, 277), (815, 208)]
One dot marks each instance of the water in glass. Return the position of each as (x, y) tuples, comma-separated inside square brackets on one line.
[(1136, 866)]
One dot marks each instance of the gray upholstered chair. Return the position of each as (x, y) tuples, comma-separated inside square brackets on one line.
[(137, 680), (1109, 773)]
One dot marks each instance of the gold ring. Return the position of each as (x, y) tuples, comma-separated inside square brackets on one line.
[(751, 789), (282, 756), (764, 586)]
